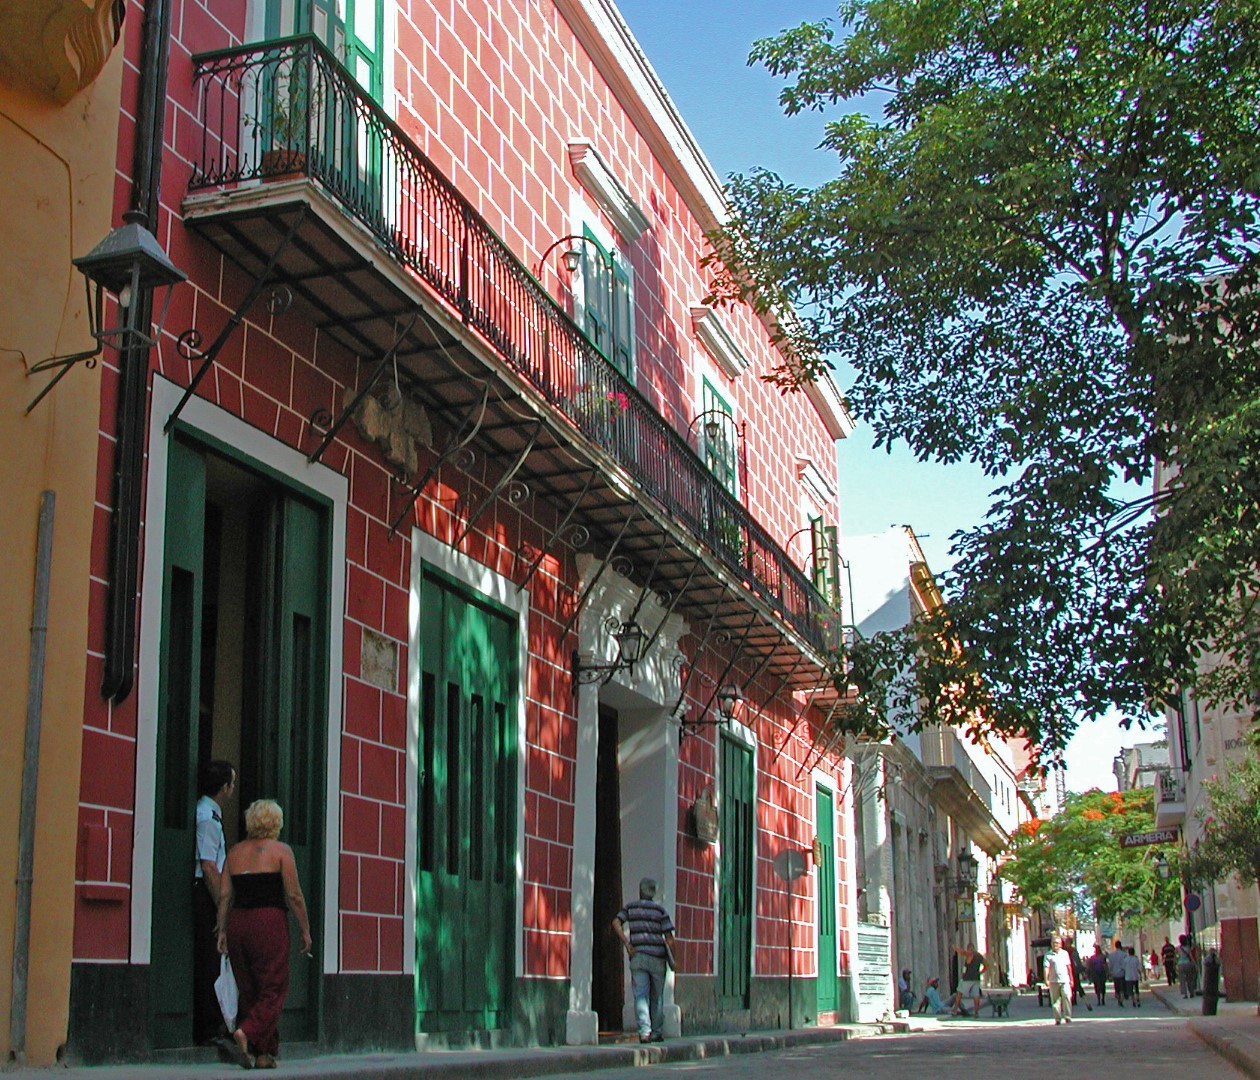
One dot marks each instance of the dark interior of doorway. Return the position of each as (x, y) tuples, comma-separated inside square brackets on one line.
[(607, 963)]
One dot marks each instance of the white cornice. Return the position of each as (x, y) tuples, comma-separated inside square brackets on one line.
[(831, 407), (717, 339), (604, 33), (608, 192), (815, 481)]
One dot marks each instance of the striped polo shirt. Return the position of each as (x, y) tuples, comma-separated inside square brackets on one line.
[(647, 923)]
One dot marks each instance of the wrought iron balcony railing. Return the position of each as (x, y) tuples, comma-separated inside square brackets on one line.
[(1169, 787), (289, 108)]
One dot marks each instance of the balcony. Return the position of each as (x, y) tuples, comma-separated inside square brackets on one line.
[(301, 177), (1170, 799), (960, 788)]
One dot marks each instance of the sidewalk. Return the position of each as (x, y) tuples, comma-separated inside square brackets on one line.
[(488, 1064), (1234, 1032)]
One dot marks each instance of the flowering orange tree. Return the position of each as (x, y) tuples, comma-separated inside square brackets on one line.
[(1074, 859)]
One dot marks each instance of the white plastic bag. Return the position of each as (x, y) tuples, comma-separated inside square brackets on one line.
[(225, 991)]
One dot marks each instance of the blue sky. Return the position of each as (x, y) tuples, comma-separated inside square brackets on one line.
[(699, 49)]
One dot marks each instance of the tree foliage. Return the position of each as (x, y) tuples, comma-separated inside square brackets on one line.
[(1042, 258), (1230, 843), (1074, 860)]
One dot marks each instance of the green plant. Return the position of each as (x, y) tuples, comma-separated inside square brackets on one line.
[(1230, 843), (286, 104), (1008, 264)]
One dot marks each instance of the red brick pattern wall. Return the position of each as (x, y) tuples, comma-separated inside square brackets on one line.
[(492, 93)]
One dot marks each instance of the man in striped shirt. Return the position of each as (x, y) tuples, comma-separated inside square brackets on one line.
[(647, 933)]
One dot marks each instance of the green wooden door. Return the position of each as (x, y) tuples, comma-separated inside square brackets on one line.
[(268, 662), (466, 842), (826, 828), (179, 697), (288, 732), (736, 824)]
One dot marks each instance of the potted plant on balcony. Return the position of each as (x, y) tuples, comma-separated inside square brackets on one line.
[(597, 408), (286, 110)]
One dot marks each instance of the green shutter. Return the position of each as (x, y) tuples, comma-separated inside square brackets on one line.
[(466, 827), (179, 701), (607, 308), (826, 884), (736, 824)]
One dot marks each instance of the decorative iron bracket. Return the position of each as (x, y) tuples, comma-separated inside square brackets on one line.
[(464, 434), (381, 365), (555, 535), (190, 339), (504, 480), (704, 720), (64, 364), (704, 643), (604, 564)]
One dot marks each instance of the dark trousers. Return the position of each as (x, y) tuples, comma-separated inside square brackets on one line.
[(1120, 986), (207, 1019), (1100, 989), (258, 946), (1170, 970)]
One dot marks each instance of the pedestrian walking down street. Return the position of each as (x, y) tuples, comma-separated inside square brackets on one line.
[(1168, 953), (1058, 979), (1116, 969), (1187, 969), (1097, 966), (647, 932), (1132, 977)]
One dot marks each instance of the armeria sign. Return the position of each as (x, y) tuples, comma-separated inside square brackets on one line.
[(1146, 839)]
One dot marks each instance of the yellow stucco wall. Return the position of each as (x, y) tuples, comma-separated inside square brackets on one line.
[(57, 172)]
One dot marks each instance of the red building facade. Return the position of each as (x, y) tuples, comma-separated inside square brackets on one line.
[(454, 424)]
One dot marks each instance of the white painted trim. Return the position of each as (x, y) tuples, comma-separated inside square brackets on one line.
[(604, 187), (606, 36), (817, 486), (831, 406), (494, 586), (717, 340), (207, 418)]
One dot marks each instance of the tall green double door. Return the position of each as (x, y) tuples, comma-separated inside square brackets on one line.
[(243, 677), (467, 810)]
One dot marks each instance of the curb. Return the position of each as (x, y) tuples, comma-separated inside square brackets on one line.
[(1230, 1045), (497, 1064)]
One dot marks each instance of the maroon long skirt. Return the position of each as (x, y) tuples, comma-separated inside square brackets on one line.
[(258, 946)]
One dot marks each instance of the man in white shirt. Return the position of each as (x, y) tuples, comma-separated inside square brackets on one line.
[(1116, 969), (1058, 977), (215, 785)]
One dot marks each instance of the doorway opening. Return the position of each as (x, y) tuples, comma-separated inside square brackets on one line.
[(244, 676), (608, 989)]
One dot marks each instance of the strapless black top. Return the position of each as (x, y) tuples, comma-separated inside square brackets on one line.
[(261, 890)]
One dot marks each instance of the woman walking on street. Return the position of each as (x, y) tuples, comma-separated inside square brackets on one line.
[(1186, 968), (260, 887)]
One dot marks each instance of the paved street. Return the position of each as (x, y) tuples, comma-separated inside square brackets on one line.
[(1107, 1044)]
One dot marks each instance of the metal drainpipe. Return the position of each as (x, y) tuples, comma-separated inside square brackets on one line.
[(133, 382), (30, 780)]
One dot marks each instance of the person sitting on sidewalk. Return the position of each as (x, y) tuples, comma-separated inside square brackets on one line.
[(932, 1001)]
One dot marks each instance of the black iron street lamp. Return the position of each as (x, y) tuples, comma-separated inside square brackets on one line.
[(128, 264), (630, 639), (967, 871)]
